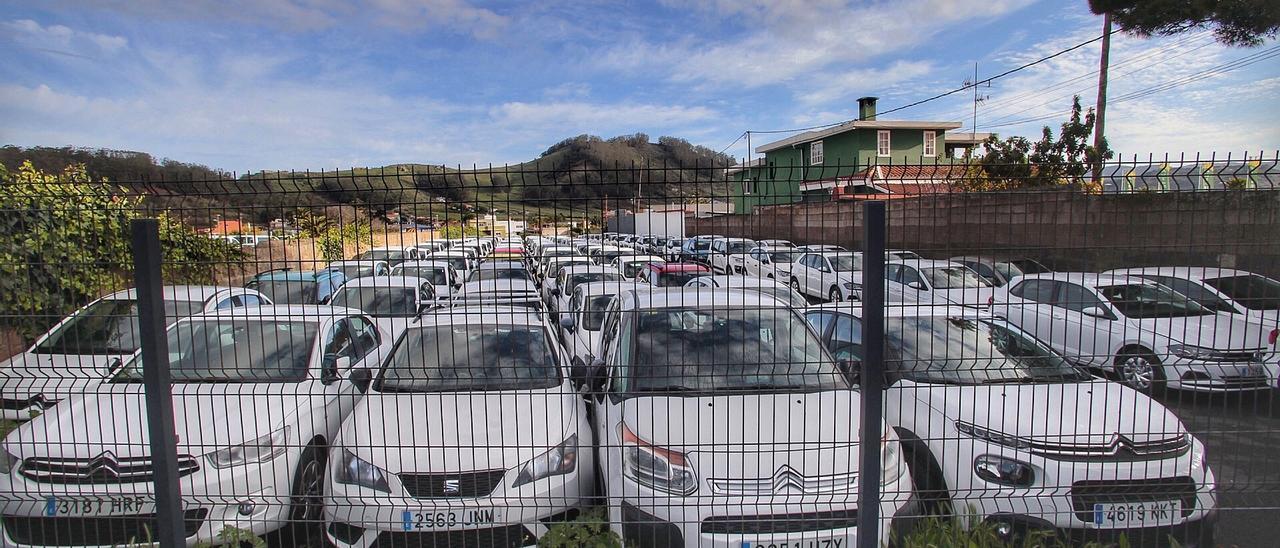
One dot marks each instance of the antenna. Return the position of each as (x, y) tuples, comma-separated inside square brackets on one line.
[(978, 98)]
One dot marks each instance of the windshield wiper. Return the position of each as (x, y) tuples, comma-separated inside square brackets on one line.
[(669, 388), (1011, 380)]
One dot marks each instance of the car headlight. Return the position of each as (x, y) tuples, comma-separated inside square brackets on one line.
[(558, 460), (353, 470), (890, 457), (262, 449), (991, 435), (662, 469), (1004, 471), (8, 462)]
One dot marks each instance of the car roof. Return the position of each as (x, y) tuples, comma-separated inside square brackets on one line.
[(1188, 272), (385, 282), (679, 267), (503, 264), (924, 263), (295, 275), (200, 293), (605, 288), (736, 281), (650, 258), (501, 284), (282, 312), (1085, 278), (587, 268), (425, 262), (696, 297), (481, 314), (357, 262), (905, 310)]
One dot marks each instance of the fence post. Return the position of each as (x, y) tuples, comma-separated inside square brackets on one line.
[(156, 381), (873, 246)]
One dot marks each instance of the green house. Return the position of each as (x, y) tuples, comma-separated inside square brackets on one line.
[(804, 167)]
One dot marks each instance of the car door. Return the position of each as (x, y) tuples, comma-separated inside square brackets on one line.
[(341, 350), (751, 264), (813, 275), (1032, 307), (1086, 338)]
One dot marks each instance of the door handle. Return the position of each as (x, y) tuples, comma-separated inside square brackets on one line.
[(1059, 317)]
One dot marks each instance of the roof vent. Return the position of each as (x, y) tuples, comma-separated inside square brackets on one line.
[(867, 108)]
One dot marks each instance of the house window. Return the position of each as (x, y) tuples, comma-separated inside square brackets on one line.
[(815, 153), (930, 143), (882, 142)]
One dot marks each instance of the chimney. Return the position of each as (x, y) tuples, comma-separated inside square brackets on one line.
[(867, 108)]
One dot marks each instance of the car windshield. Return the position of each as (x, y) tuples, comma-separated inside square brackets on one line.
[(784, 256), (707, 349), (498, 274), (904, 255), (1007, 270), (585, 277), (784, 294), (470, 357), (677, 279), (434, 274), (1202, 296), (1142, 301), (288, 291), (741, 247), (389, 255), (631, 268), (235, 350), (555, 269), (391, 302), (1028, 266), (701, 245), (1251, 291), (593, 317), (954, 277), (354, 271), (969, 351), (844, 263), (109, 326), (457, 263)]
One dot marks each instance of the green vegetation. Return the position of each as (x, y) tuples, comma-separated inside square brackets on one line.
[(1016, 162), (591, 529), (1234, 22)]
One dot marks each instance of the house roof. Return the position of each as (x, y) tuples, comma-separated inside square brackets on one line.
[(899, 179), (743, 167), (966, 138), (852, 125)]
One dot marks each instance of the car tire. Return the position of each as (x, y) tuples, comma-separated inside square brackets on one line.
[(835, 296), (1140, 369), (926, 476), (306, 501), (795, 285)]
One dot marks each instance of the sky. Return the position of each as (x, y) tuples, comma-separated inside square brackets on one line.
[(246, 85)]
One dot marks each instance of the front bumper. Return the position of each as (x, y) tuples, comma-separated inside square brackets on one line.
[(1210, 376), (1191, 534)]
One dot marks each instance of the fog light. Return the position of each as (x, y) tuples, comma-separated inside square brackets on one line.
[(246, 508), (1004, 471), (1004, 530)]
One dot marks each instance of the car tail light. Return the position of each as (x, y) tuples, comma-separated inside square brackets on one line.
[(1275, 334)]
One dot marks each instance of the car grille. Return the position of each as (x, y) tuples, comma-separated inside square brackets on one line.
[(786, 479), (779, 523), (1120, 448), (468, 484), (1250, 356), (497, 537), (1084, 494), (1245, 381), (99, 469), (93, 531)]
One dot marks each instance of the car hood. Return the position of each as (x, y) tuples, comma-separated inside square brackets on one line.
[(54, 375), (1216, 331), (115, 419), (1077, 413), (970, 296), (753, 435), (424, 432)]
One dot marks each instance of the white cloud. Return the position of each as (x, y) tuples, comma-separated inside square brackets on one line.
[(859, 82), (596, 115), (62, 40), (457, 14)]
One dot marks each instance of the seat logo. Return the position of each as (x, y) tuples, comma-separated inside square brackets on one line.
[(452, 486)]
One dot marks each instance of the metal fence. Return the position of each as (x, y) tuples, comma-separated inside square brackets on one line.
[(925, 354)]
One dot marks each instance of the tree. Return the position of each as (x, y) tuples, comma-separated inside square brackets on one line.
[(1018, 163), (1234, 22)]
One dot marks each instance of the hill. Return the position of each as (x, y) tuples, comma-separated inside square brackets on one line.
[(570, 178)]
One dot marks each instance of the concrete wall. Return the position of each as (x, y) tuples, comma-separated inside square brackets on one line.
[(1064, 229)]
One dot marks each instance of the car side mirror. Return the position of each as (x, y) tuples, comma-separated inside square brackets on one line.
[(567, 323), (851, 368), (555, 292), (1095, 312), (332, 371), (596, 376), (361, 378), (918, 286)]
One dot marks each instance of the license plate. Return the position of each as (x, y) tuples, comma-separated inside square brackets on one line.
[(448, 519), (1137, 514), (102, 506), (820, 543)]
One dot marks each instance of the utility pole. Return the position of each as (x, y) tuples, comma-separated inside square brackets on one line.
[(975, 100), (1101, 113)]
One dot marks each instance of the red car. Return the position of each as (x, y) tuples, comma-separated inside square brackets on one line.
[(507, 253), (670, 274)]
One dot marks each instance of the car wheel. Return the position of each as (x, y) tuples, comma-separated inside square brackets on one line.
[(795, 285), (926, 475), (1141, 370), (834, 295), (307, 502)]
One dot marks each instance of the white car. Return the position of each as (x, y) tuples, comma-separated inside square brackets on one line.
[(830, 275), (723, 422), (928, 281), (1147, 334), (393, 255), (499, 291), (771, 262), (995, 423), (258, 393), (630, 265), (546, 253), (1223, 290), (1000, 270), (776, 243), (551, 269), (84, 348), (582, 316), (818, 248), (461, 262), (356, 269), (439, 272), (725, 255), (513, 452), (392, 300), (773, 288), (556, 292)]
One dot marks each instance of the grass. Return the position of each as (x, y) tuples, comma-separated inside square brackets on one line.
[(7, 426)]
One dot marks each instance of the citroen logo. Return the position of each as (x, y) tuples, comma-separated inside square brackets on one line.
[(452, 486), (104, 465), (787, 479)]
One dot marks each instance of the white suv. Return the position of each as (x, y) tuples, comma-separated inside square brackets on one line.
[(1254, 297), (928, 281), (774, 263), (84, 348), (723, 422), (511, 452), (830, 275), (725, 255), (257, 395), (995, 423), (1150, 336)]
